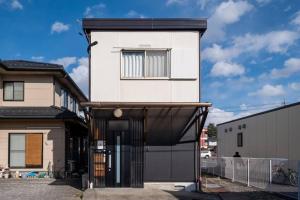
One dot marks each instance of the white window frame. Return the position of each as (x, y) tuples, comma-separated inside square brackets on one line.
[(145, 66)]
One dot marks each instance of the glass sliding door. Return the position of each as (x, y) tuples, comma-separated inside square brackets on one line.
[(17, 150), (26, 150)]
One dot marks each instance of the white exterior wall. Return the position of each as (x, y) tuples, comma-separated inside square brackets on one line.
[(106, 82), (271, 135)]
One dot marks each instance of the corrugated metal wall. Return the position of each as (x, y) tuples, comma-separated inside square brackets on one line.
[(273, 134), (171, 162)]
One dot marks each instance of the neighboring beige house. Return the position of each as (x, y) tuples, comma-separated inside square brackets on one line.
[(40, 124)]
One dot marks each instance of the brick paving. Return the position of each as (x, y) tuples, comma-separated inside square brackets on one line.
[(37, 189)]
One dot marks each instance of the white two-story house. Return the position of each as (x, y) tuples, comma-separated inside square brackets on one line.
[(145, 110)]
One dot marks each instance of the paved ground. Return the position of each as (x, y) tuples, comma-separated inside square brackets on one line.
[(228, 190), (150, 192), (217, 189), (37, 189)]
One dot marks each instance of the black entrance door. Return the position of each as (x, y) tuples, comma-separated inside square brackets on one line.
[(118, 159)]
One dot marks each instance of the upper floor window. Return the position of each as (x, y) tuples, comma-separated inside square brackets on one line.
[(71, 105), (13, 90), (75, 106), (64, 98), (145, 64)]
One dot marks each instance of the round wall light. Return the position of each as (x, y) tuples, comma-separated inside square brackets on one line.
[(118, 113)]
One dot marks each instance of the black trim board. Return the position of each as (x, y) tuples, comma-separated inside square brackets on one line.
[(261, 113), (137, 24)]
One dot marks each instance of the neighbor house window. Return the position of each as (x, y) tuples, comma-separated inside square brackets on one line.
[(74, 106), (145, 64), (64, 98), (13, 91), (240, 139), (71, 104), (25, 150)]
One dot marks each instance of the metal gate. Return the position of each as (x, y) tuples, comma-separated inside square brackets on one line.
[(98, 172), (99, 159)]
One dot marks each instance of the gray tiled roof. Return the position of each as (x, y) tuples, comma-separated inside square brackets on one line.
[(36, 113), (24, 65), (29, 65)]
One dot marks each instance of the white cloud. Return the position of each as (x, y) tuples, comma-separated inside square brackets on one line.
[(16, 5), (134, 14), (217, 53), (65, 61), (217, 116), (227, 69), (203, 3), (95, 10), (272, 42), (263, 2), (243, 106), (291, 66), (296, 20), (269, 91), (295, 86), (226, 13), (37, 58), (80, 74), (179, 2), (58, 27)]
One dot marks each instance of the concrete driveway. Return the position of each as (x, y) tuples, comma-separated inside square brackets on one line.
[(150, 192), (41, 189)]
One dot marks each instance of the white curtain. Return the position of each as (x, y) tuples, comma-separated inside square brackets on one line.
[(9, 91), (18, 90), (156, 64), (133, 64), (17, 150)]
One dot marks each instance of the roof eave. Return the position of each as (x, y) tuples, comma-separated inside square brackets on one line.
[(150, 24)]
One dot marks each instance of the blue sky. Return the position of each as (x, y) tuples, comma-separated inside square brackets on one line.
[(250, 53)]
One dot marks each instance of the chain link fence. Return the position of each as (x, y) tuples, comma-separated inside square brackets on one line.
[(273, 175)]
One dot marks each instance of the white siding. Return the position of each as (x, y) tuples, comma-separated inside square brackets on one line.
[(106, 82)]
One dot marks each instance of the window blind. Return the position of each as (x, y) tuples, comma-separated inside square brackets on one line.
[(156, 64), (133, 64)]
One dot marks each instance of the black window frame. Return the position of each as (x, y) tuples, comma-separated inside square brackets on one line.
[(240, 140), (23, 97)]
